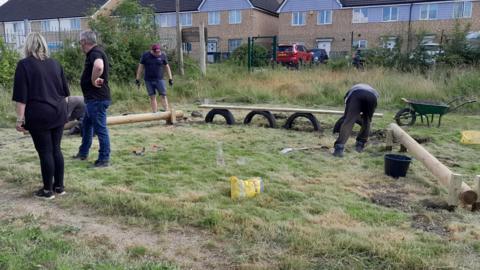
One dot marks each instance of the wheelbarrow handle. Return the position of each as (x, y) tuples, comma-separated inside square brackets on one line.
[(462, 104)]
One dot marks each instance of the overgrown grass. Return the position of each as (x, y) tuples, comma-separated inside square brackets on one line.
[(316, 212), (25, 245), (317, 87)]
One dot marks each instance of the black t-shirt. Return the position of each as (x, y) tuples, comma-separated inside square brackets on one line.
[(90, 92), (41, 85), (153, 66)]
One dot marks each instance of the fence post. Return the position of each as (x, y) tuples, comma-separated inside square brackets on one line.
[(203, 64)]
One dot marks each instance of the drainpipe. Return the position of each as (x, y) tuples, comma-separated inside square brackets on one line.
[(409, 33)]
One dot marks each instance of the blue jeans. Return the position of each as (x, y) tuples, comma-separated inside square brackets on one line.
[(95, 122)]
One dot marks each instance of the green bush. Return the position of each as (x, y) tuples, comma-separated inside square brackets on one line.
[(125, 37), (338, 64), (72, 59), (8, 61), (260, 58)]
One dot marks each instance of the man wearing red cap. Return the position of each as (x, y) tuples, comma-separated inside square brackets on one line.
[(153, 62)]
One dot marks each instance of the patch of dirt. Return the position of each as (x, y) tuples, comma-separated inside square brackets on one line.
[(430, 223), (184, 246), (393, 195)]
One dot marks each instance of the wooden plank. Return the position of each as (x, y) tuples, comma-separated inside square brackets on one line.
[(275, 109), (142, 117), (440, 171)]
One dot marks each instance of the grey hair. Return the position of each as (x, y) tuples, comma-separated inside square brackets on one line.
[(36, 46), (89, 36)]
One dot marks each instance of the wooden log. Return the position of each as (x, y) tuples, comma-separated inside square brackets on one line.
[(389, 140), (454, 188), (172, 119), (477, 189), (440, 171), (142, 117), (275, 109)]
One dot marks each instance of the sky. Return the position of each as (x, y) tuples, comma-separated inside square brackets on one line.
[(2, 2)]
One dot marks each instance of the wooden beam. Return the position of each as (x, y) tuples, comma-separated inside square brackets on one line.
[(389, 140), (440, 171), (275, 109), (142, 117), (454, 189)]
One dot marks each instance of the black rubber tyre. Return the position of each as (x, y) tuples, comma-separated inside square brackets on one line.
[(309, 116), (405, 117), (223, 112), (338, 124), (266, 114)]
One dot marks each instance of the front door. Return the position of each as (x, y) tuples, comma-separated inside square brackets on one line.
[(212, 49), (326, 45)]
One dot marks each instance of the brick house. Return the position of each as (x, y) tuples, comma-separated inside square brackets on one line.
[(57, 20), (229, 23), (340, 25)]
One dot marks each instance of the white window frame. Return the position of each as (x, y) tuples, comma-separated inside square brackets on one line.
[(428, 8), (299, 18), (214, 18), (356, 18), (166, 20), (327, 17), (186, 19), (461, 6), (235, 16), (358, 44), (51, 25), (390, 14), (239, 40), (71, 24)]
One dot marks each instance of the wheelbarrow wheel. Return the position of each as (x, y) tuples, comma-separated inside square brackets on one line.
[(405, 117)]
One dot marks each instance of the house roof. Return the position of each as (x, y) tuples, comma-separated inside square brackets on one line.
[(267, 5), (165, 6), (19, 10), (357, 3)]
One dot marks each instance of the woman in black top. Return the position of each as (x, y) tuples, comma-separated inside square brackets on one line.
[(40, 90)]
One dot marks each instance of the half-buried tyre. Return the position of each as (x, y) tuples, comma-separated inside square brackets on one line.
[(266, 114), (289, 124), (222, 112)]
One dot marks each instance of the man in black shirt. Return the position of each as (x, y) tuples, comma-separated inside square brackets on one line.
[(94, 83), (153, 62)]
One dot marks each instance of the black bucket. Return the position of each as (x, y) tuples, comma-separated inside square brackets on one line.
[(396, 165)]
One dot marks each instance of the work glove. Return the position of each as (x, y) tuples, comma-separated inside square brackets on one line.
[(137, 82), (170, 82)]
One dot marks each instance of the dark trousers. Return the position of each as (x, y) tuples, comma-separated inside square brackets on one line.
[(359, 102), (47, 144)]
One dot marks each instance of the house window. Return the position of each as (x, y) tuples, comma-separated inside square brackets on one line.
[(324, 17), (70, 24), (360, 15), (166, 20), (462, 9), (49, 25), (186, 19), (187, 47), (428, 12), (298, 18), (235, 17), (214, 18), (233, 44), (390, 14), (360, 44)]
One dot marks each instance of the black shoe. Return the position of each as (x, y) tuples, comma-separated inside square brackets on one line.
[(60, 191), (80, 157), (338, 152), (101, 163), (44, 194), (359, 146)]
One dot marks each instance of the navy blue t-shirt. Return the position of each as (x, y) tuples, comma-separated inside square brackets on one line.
[(153, 66)]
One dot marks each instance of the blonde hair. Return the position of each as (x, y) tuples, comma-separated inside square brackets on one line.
[(36, 46)]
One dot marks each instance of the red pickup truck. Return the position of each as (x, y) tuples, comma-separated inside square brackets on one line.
[(294, 55)]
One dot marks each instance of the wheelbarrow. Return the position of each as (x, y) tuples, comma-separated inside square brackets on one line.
[(427, 109)]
